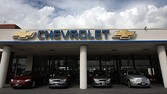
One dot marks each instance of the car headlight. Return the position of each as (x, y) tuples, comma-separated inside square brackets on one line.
[(96, 80), (64, 80), (108, 80), (11, 80), (147, 80), (133, 80), (50, 80), (27, 80)]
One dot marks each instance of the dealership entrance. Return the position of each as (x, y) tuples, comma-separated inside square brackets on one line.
[(149, 65)]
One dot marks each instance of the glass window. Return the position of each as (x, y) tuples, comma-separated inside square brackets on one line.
[(142, 63), (54, 63), (18, 65), (41, 63), (108, 63), (125, 62), (93, 64), (73, 63), (21, 65), (134, 73), (156, 70)]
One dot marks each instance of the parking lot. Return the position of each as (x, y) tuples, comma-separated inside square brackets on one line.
[(116, 89)]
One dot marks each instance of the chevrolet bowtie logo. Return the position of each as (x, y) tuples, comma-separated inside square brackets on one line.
[(124, 34), (23, 35)]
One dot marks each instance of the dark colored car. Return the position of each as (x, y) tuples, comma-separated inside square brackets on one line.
[(134, 78), (101, 79), (60, 79), (27, 79)]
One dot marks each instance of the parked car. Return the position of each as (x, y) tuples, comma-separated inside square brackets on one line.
[(134, 78), (101, 79), (27, 79), (60, 79)]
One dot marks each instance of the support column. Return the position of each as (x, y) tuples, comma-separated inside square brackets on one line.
[(29, 62), (163, 63), (4, 65), (83, 67)]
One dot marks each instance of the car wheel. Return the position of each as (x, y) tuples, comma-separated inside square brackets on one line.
[(129, 84), (33, 84)]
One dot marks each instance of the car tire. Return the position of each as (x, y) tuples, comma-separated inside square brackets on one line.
[(33, 84), (129, 84)]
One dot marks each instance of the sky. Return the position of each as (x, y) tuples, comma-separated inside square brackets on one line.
[(63, 14)]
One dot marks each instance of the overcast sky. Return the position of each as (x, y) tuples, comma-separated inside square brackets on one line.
[(53, 14)]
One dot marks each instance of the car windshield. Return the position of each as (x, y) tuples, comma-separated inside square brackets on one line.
[(100, 73), (60, 73), (134, 73), (26, 73)]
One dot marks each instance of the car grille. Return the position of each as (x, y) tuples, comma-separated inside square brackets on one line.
[(102, 80), (18, 81), (142, 79), (57, 80)]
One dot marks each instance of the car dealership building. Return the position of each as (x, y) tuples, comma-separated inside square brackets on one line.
[(83, 51)]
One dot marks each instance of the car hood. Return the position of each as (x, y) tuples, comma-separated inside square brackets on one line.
[(22, 77), (58, 77), (137, 76)]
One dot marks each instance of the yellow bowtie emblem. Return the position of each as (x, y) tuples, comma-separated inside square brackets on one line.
[(23, 35), (124, 34)]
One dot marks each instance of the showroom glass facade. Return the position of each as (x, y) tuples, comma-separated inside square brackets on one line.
[(18, 65), (149, 65)]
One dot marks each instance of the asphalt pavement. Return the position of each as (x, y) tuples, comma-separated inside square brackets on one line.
[(116, 89)]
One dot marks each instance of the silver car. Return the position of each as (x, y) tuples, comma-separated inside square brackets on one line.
[(134, 78), (59, 79), (101, 79)]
